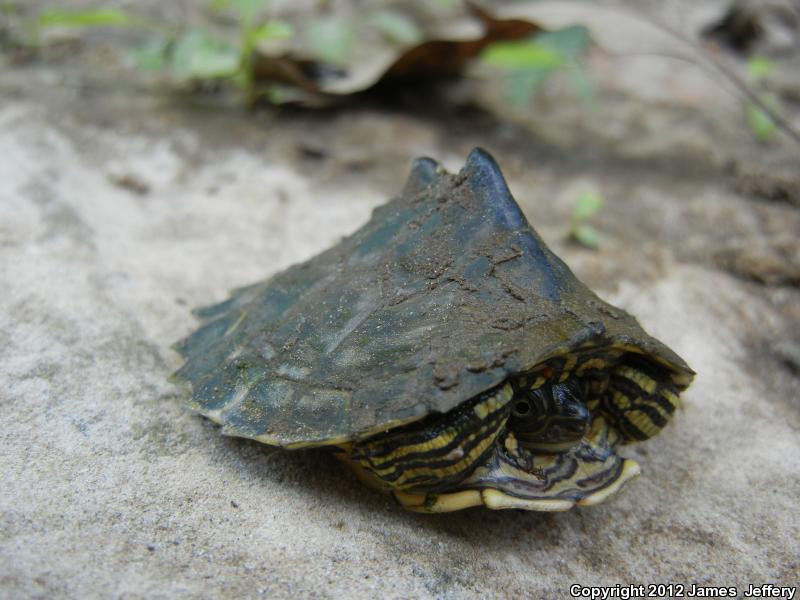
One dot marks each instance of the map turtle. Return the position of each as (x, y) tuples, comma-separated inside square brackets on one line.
[(444, 353)]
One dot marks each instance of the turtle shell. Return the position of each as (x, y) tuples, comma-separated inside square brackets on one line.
[(443, 294)]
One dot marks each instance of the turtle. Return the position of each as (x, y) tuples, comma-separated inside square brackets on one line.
[(444, 353)]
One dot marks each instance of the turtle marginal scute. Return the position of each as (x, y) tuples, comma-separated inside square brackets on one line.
[(630, 469), (438, 503), (250, 411), (498, 500)]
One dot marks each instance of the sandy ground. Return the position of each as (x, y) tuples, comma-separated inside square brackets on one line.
[(120, 211)]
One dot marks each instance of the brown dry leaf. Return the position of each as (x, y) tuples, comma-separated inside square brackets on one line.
[(452, 38)]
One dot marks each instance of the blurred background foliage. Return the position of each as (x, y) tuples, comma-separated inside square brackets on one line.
[(334, 52), (342, 52)]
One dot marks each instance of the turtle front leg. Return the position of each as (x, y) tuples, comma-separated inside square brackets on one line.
[(437, 453)]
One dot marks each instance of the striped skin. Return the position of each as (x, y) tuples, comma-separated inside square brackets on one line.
[(447, 453), (442, 452), (637, 395), (640, 399)]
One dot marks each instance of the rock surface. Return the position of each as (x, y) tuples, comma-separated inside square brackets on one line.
[(119, 212)]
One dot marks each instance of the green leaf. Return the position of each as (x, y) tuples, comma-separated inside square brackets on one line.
[(242, 79), (760, 123), (272, 30), (580, 81), (196, 55), (331, 39), (588, 204), (397, 27), (585, 235), (87, 18), (759, 67), (245, 9), (521, 55), (151, 56), (248, 9), (532, 61), (522, 86), (570, 42)]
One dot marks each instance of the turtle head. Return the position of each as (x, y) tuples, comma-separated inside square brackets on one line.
[(554, 402), (552, 418)]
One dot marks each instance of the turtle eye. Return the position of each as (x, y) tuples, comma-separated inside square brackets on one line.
[(522, 408), (552, 418)]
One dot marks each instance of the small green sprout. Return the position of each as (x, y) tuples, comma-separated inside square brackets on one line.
[(198, 55), (246, 10), (580, 231), (528, 63), (251, 34), (56, 18), (103, 17), (759, 67), (761, 125), (189, 54), (522, 55)]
